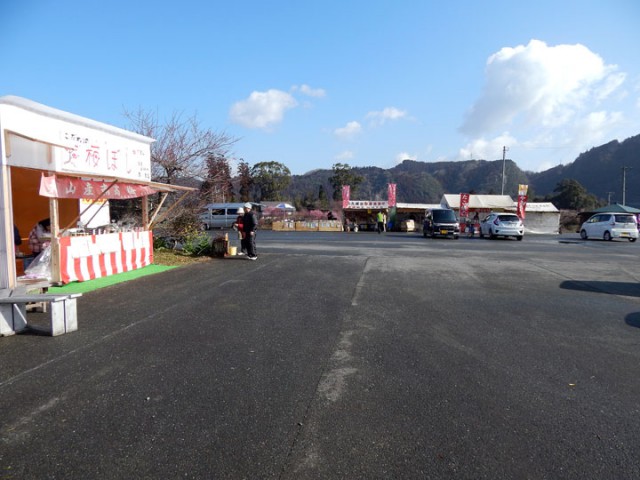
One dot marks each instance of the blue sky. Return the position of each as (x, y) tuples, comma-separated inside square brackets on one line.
[(367, 83)]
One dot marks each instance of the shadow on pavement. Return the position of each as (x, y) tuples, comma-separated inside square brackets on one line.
[(629, 289), (633, 319)]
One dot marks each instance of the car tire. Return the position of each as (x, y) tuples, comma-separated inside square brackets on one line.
[(204, 226), (632, 240), (607, 236), (519, 237), (583, 234), (492, 235), (456, 237)]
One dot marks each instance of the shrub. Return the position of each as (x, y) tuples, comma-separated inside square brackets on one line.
[(183, 232)]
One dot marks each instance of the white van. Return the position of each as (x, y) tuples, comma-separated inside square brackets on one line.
[(219, 215)]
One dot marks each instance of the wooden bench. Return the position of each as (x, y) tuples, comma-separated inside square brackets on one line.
[(62, 311)]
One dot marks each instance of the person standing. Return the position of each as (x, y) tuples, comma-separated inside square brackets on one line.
[(39, 239), (380, 220), (238, 226), (40, 236), (249, 226)]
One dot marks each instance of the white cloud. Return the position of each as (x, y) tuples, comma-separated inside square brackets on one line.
[(311, 92), (402, 156), (346, 155), (540, 85), (389, 113), (548, 97), (483, 149), (262, 109), (349, 131)]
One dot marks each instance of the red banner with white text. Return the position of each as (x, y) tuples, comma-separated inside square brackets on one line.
[(464, 205), (56, 186), (346, 192), (391, 195), (522, 201)]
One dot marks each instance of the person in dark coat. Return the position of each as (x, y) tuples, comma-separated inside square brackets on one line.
[(249, 226)]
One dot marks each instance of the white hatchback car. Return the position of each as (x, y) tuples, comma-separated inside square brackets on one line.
[(502, 225), (609, 226)]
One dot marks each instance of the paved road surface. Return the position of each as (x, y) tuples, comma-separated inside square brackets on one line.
[(342, 356)]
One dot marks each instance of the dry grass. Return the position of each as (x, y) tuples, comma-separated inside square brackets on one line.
[(174, 258)]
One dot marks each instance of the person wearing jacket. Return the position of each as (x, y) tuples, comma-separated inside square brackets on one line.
[(240, 229), (249, 226)]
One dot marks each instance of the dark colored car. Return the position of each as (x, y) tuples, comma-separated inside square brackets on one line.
[(441, 222)]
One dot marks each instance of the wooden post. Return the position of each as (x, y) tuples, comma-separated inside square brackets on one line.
[(8, 254), (54, 216), (145, 212)]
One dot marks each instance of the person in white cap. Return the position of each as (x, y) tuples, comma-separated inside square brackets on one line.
[(249, 226), (237, 226)]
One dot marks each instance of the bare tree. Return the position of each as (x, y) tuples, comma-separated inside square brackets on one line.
[(246, 181), (182, 145), (218, 186)]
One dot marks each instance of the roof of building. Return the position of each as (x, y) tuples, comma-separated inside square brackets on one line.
[(540, 207), (416, 206), (452, 200)]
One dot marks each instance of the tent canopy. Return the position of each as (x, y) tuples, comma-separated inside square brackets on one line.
[(477, 202)]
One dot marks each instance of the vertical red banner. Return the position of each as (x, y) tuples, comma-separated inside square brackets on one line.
[(346, 192), (391, 191), (464, 205), (522, 201)]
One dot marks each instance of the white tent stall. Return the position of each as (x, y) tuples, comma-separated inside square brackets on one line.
[(541, 217), (54, 165), (479, 203)]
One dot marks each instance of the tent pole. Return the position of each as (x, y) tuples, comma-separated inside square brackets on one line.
[(54, 217)]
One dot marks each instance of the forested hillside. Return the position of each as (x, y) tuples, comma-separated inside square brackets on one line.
[(599, 170)]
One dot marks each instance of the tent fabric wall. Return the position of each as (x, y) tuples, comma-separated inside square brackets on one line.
[(542, 222), (541, 218)]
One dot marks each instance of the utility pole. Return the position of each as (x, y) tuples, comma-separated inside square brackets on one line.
[(609, 197), (624, 185), (504, 153)]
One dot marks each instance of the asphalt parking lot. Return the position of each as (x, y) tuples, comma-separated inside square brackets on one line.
[(342, 356)]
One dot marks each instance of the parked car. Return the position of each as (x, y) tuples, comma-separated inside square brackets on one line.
[(609, 226), (502, 225), (440, 222), (219, 215)]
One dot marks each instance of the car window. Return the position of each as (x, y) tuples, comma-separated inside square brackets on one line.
[(508, 218), (444, 216), (624, 219), (217, 211)]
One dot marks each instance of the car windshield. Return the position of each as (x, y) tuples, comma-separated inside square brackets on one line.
[(508, 218), (625, 219), (444, 216)]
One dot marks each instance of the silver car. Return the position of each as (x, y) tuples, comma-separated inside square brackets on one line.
[(609, 226), (502, 225)]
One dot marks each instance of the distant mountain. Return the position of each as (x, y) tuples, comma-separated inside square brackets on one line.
[(418, 182), (599, 170)]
